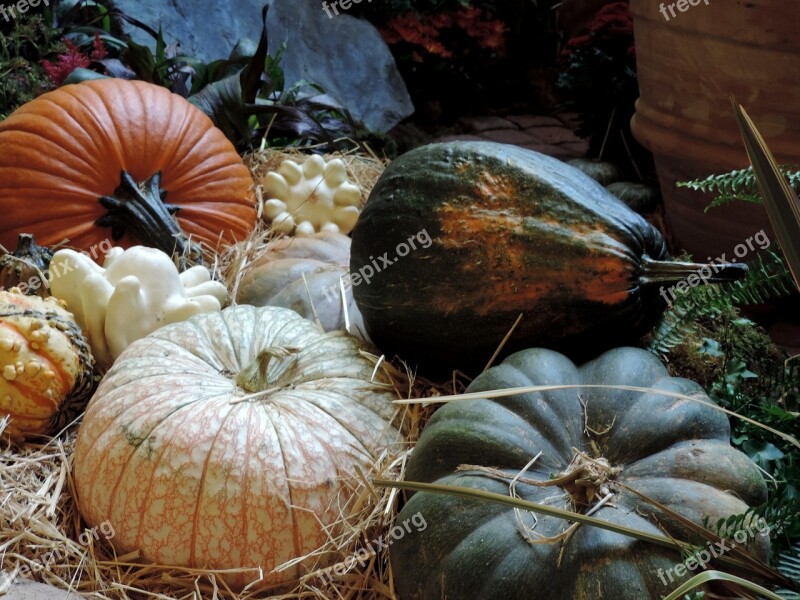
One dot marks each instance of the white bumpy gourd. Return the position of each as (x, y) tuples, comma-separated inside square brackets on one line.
[(312, 197), (135, 292)]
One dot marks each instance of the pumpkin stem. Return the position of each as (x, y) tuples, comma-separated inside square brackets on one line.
[(27, 261), (671, 272), (27, 247), (140, 210), (255, 376)]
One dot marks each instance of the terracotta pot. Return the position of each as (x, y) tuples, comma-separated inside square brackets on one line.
[(688, 66)]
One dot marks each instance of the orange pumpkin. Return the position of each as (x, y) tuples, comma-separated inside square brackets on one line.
[(106, 153)]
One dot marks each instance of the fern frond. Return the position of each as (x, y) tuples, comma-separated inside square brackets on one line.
[(737, 185), (768, 278), (681, 320), (789, 563), (741, 181)]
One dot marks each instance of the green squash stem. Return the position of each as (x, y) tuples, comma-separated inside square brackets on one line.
[(140, 210), (671, 272), (255, 376)]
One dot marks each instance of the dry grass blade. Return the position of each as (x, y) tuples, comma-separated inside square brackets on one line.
[(579, 386), (708, 576), (503, 342), (518, 503), (40, 525), (484, 496), (738, 557), (782, 204)]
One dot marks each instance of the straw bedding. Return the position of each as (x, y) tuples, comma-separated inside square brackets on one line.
[(42, 536)]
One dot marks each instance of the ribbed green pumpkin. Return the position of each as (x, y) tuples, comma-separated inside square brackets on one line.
[(674, 451), (513, 232)]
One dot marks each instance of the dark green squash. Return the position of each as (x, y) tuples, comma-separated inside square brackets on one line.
[(513, 232), (674, 451)]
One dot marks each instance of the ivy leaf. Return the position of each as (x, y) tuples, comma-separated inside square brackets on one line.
[(711, 347), (763, 453)]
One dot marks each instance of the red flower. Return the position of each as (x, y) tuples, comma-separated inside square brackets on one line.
[(612, 23), (490, 34), (427, 34), (99, 51), (73, 59), (613, 19)]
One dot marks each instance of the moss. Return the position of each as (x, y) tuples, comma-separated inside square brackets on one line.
[(30, 41), (739, 340)]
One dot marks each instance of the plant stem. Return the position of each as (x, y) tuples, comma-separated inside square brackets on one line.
[(140, 210), (254, 377), (670, 272)]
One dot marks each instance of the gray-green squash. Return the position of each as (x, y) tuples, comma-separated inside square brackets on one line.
[(672, 450), (512, 232)]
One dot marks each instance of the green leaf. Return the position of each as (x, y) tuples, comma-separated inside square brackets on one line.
[(140, 59), (161, 46), (83, 37), (762, 453), (781, 202), (222, 102), (80, 75), (711, 348)]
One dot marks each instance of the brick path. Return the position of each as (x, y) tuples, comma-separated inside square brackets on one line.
[(553, 136)]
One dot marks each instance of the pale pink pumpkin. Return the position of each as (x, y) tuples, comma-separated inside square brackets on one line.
[(226, 441)]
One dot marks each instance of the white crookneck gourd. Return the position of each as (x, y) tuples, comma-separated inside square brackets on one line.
[(135, 292), (312, 197)]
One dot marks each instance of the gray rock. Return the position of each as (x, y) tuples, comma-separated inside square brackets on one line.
[(206, 29), (642, 198), (24, 589), (344, 55), (599, 170)]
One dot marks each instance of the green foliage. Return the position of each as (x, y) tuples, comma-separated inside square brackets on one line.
[(737, 185), (251, 105), (789, 565), (599, 81), (768, 278), (244, 95), (744, 372), (22, 50)]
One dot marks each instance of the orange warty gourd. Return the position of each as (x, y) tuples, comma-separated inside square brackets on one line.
[(46, 366), (108, 154)]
